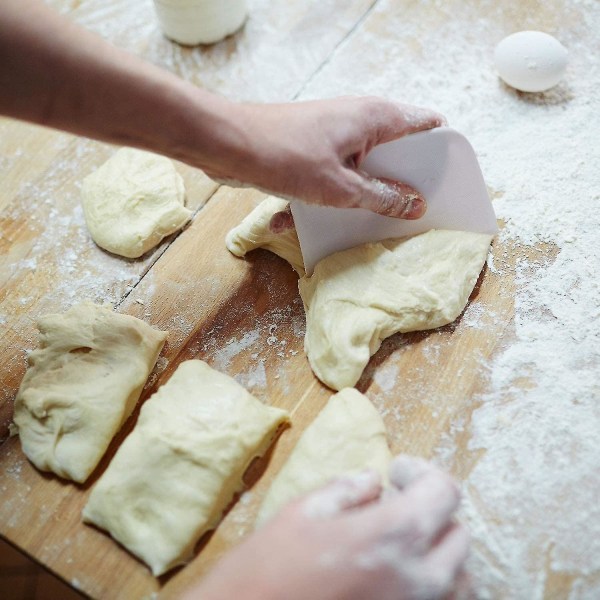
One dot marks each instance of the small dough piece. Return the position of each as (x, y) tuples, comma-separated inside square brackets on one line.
[(346, 437), (82, 384), (358, 297), (254, 232), (133, 201), (178, 470)]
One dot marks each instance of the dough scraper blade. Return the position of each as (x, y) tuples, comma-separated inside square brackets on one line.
[(440, 163)]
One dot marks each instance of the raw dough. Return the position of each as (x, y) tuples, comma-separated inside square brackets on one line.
[(133, 201), (82, 384), (347, 436), (180, 467), (253, 232), (357, 298)]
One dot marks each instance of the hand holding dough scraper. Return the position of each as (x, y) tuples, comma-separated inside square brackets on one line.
[(439, 163)]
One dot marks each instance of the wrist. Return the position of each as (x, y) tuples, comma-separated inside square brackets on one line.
[(210, 133)]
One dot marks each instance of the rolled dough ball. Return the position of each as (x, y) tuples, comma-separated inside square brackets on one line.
[(346, 437), (133, 201), (81, 385), (357, 298), (180, 467), (254, 232)]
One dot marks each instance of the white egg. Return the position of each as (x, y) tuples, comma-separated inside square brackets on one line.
[(531, 61)]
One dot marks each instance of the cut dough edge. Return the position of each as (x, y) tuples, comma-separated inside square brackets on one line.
[(358, 297), (184, 461), (82, 384), (346, 437)]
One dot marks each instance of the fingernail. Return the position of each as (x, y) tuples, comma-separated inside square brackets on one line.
[(414, 208)]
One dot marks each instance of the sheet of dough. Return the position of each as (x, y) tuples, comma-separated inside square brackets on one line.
[(81, 385), (347, 436), (180, 467), (357, 298), (133, 201)]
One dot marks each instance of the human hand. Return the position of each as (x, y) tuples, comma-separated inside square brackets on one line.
[(351, 541), (313, 151)]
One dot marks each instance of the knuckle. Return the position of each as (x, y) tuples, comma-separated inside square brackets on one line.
[(387, 202), (387, 206), (412, 529)]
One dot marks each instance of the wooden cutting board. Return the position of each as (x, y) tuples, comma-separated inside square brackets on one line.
[(243, 316)]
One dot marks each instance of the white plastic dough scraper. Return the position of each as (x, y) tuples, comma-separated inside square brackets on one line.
[(440, 163)]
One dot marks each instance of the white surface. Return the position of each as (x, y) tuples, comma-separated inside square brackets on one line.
[(440, 163), (531, 61), (192, 22)]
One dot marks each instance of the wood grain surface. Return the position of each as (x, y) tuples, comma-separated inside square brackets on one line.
[(243, 316)]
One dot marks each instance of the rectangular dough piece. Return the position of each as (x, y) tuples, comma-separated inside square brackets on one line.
[(347, 436), (82, 384), (180, 467)]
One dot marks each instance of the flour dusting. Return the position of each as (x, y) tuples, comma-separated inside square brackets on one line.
[(530, 496), (531, 462)]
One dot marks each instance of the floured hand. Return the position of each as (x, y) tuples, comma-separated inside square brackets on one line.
[(351, 541), (313, 151)]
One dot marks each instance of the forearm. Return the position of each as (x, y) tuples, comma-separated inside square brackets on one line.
[(54, 73)]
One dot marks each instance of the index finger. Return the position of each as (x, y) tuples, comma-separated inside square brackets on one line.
[(395, 120)]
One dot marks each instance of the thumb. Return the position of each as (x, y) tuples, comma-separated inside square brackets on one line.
[(389, 198)]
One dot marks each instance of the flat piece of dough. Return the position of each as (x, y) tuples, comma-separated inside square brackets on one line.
[(178, 470), (254, 232), (346, 437), (358, 297), (81, 385), (133, 201)]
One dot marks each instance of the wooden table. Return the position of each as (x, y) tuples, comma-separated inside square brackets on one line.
[(245, 316)]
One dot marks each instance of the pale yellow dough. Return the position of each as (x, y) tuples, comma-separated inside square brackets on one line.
[(133, 201), (180, 467), (254, 232), (357, 298), (346, 437), (81, 385)]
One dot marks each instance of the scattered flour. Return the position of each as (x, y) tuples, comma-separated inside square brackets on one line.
[(531, 492), (386, 377)]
